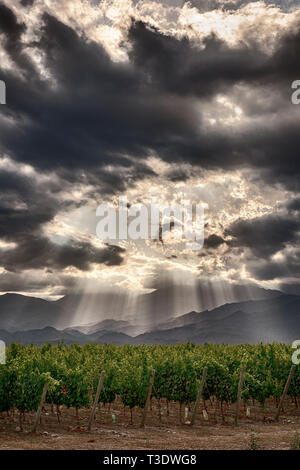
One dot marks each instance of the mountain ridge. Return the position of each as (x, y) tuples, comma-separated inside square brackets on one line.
[(274, 319), (19, 312)]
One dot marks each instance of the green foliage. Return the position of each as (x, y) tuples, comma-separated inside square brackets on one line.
[(73, 373)]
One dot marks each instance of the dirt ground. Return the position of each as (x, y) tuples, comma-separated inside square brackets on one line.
[(163, 430)]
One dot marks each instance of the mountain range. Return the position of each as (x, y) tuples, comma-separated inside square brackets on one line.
[(271, 316)]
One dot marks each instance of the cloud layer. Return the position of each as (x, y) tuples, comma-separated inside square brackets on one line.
[(98, 107)]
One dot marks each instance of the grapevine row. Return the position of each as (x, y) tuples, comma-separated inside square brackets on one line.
[(72, 373)]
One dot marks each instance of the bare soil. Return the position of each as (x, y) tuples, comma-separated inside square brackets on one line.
[(163, 428)]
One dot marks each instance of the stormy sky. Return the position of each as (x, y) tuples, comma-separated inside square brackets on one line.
[(150, 99)]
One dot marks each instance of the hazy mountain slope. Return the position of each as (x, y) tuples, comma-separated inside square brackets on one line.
[(109, 325), (53, 336), (254, 321), (90, 312), (19, 312), (275, 319), (168, 302), (279, 304)]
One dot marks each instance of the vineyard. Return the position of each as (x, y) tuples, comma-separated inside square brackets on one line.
[(72, 376)]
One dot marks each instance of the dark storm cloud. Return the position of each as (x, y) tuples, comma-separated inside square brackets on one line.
[(294, 205), (265, 235), (12, 42), (228, 5), (27, 3), (179, 174), (274, 151), (106, 182), (93, 112), (98, 112), (213, 241), (81, 255), (178, 66), (37, 252), (25, 205), (267, 270)]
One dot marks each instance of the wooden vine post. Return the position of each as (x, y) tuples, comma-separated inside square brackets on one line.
[(287, 385), (148, 398), (96, 400), (40, 408), (199, 395), (238, 403)]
